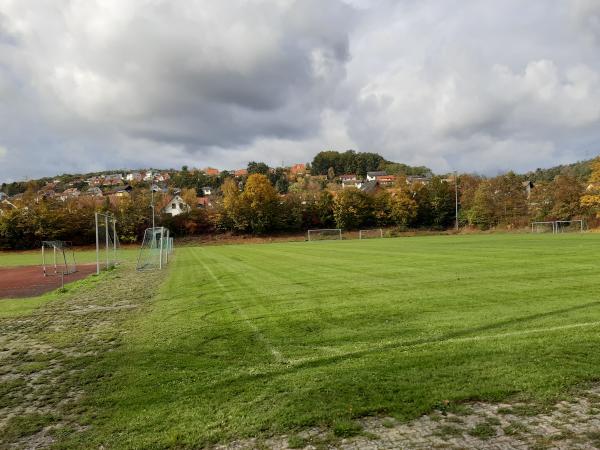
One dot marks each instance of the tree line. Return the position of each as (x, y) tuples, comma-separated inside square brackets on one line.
[(258, 204)]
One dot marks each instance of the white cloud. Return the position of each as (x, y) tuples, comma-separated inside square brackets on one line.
[(480, 86)]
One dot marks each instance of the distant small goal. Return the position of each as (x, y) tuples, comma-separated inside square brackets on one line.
[(559, 226), (370, 234), (325, 234)]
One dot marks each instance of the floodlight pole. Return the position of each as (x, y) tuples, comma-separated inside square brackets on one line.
[(114, 223), (152, 206), (456, 199), (107, 241), (97, 245)]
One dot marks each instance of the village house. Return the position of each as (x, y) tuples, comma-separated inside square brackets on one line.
[(176, 206), (211, 171), (135, 177), (298, 169), (113, 179), (352, 183), (386, 180), (94, 181), (206, 190), (69, 193), (122, 191), (240, 173), (370, 187), (372, 176), (348, 177), (417, 179), (162, 177), (204, 202), (94, 192)]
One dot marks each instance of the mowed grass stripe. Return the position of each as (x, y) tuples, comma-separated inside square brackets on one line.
[(394, 326)]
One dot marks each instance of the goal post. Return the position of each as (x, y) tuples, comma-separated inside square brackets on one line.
[(570, 226), (58, 258), (107, 240), (156, 249), (325, 234), (543, 227), (370, 234), (559, 226)]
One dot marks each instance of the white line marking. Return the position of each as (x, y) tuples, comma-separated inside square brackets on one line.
[(276, 353), (406, 347)]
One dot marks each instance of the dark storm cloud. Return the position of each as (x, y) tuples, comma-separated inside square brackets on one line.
[(483, 85)]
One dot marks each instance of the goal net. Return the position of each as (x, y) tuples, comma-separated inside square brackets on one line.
[(156, 248), (107, 241), (370, 234), (569, 226), (543, 227), (325, 234), (58, 258)]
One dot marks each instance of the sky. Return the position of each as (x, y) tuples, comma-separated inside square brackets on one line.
[(471, 85)]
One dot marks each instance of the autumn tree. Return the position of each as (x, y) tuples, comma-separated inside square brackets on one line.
[(234, 214), (402, 208), (567, 192), (482, 211), (351, 208), (261, 202), (591, 198)]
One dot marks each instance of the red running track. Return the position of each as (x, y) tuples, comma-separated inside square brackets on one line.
[(29, 281)]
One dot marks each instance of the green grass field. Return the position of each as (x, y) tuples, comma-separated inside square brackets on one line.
[(245, 340)]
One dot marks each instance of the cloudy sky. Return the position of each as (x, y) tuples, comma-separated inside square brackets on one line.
[(473, 85)]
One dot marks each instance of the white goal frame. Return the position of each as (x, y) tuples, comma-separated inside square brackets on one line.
[(336, 232), (63, 259), (379, 231), (534, 224), (556, 225), (156, 248), (110, 241), (559, 222)]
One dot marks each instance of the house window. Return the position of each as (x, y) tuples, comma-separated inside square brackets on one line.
[(173, 206), (181, 206)]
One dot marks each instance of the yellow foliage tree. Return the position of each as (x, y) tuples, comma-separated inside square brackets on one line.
[(591, 198)]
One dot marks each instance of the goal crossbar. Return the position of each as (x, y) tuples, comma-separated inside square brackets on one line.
[(369, 234), (62, 261), (325, 233), (557, 226)]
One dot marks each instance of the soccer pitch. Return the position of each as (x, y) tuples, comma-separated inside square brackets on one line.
[(250, 339)]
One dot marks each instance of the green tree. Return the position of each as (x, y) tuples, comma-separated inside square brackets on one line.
[(351, 208)]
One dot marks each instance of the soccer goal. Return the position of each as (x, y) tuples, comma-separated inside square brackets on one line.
[(543, 227), (325, 234), (58, 258), (569, 226), (370, 234), (157, 247), (107, 241)]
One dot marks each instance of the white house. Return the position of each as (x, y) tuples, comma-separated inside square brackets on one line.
[(206, 190), (372, 176), (176, 206)]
